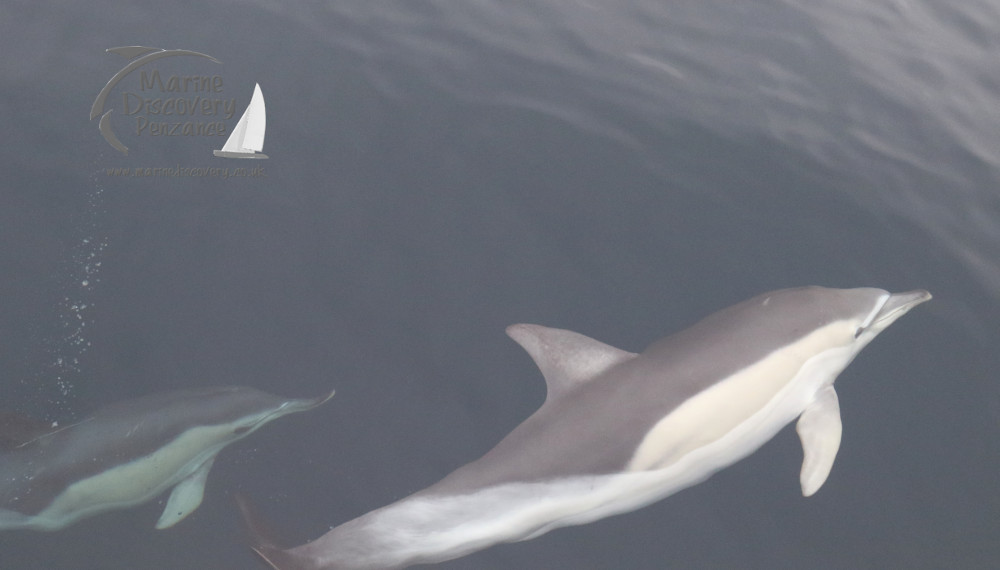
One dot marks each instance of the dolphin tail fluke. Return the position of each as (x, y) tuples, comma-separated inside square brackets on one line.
[(261, 540)]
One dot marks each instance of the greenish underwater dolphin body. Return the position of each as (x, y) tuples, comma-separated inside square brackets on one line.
[(128, 453), (619, 431)]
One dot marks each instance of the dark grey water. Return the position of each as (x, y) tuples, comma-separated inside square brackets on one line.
[(440, 170)]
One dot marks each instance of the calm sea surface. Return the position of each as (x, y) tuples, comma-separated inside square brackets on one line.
[(439, 170)]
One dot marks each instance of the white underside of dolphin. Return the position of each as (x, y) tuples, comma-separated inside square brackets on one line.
[(619, 431)]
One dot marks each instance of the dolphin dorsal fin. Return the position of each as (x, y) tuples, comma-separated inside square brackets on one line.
[(565, 358)]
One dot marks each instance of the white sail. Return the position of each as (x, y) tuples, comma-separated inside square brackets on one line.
[(247, 139)]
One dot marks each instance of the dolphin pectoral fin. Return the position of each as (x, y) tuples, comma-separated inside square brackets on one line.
[(186, 496), (819, 429)]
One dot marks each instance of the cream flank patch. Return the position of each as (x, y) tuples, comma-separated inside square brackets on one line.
[(717, 411), (139, 480)]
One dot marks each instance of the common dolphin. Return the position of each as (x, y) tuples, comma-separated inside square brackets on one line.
[(128, 453), (618, 430)]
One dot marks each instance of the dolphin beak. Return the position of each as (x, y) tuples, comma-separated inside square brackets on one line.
[(898, 304), (310, 403), (295, 406)]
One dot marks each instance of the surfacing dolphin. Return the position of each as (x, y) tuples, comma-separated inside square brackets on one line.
[(619, 430), (128, 453)]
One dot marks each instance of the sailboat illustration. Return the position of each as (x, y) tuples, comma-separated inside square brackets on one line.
[(247, 139)]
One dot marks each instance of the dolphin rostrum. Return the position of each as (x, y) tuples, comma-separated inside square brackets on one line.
[(618, 430), (128, 453)]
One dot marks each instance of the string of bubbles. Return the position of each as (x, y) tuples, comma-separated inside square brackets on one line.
[(66, 348)]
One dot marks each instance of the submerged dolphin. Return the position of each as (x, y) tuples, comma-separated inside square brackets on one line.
[(130, 452), (619, 430)]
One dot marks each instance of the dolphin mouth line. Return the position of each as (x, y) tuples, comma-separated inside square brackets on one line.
[(898, 304), (294, 406)]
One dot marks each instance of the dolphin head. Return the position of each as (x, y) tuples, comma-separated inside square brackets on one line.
[(850, 317), (219, 414), (865, 312), (243, 410), (891, 307)]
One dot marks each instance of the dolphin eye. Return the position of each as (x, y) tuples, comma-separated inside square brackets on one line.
[(241, 429)]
